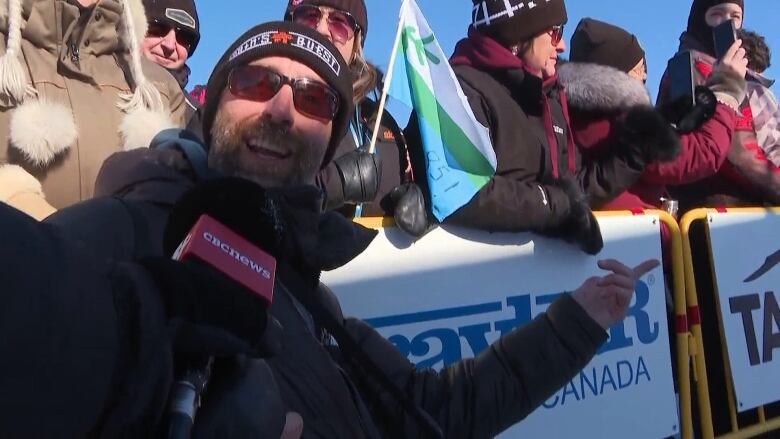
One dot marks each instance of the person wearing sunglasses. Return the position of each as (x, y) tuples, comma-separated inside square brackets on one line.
[(507, 69), (74, 96), (356, 176), (277, 105), (172, 35)]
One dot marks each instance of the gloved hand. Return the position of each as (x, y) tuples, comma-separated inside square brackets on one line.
[(580, 227), (409, 211), (727, 80), (647, 131), (687, 117), (212, 314), (361, 173)]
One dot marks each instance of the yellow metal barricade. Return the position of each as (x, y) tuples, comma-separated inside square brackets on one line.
[(696, 346)]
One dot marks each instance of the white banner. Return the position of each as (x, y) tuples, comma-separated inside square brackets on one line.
[(451, 294), (747, 282)]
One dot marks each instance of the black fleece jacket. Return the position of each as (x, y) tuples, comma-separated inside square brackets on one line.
[(475, 398)]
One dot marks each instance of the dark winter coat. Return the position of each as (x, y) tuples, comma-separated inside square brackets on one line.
[(747, 177), (475, 398), (599, 95), (193, 114), (529, 128)]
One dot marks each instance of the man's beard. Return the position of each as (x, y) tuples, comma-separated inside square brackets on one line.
[(230, 154)]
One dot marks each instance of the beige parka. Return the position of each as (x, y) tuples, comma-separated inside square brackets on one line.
[(84, 92)]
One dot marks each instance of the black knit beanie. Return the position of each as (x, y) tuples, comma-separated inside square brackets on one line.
[(601, 43), (356, 8), (512, 22), (293, 41), (178, 13), (697, 25)]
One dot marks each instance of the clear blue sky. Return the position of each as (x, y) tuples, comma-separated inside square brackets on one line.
[(657, 23)]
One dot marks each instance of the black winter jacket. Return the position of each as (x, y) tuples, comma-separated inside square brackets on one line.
[(476, 398)]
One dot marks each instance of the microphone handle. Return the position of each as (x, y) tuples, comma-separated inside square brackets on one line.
[(186, 398)]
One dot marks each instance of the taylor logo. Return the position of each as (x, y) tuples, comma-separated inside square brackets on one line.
[(181, 17), (294, 39)]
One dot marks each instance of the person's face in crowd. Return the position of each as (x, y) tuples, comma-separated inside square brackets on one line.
[(277, 141), (639, 71), (337, 26), (723, 12), (541, 54), (166, 46)]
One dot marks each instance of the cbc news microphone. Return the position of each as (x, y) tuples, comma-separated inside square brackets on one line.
[(218, 285)]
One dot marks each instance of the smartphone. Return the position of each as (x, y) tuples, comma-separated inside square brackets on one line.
[(724, 35), (681, 79)]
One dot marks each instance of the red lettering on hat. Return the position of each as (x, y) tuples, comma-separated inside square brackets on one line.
[(281, 37), (296, 2)]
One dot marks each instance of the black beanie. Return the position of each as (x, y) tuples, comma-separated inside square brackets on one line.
[(356, 8), (178, 13), (697, 25), (294, 41), (601, 43), (512, 22)]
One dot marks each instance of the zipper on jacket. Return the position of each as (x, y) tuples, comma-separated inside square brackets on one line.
[(74, 53)]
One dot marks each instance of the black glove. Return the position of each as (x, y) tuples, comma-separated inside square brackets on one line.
[(580, 227), (211, 314), (687, 117), (409, 210), (650, 134), (361, 173)]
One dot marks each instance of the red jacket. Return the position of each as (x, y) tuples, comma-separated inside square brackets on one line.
[(747, 177), (598, 96)]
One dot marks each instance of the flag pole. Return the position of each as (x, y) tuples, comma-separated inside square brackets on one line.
[(388, 78)]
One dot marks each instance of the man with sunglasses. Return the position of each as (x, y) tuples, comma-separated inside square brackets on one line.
[(277, 105), (172, 35)]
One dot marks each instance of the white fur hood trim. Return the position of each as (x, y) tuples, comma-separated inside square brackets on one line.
[(14, 180), (593, 87)]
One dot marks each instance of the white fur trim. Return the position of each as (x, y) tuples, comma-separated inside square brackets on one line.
[(13, 78), (145, 94), (593, 87), (139, 127), (15, 180), (42, 130)]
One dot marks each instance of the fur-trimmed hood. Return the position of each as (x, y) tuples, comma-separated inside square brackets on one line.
[(116, 28), (593, 87)]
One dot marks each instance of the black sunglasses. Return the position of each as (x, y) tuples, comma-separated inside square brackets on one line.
[(186, 37), (311, 98)]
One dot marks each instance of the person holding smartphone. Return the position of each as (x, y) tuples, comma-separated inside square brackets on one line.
[(604, 81), (748, 177)]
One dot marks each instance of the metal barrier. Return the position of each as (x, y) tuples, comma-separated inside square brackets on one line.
[(696, 345), (683, 340)]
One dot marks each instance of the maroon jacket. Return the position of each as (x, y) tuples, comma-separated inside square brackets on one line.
[(599, 95), (747, 177)]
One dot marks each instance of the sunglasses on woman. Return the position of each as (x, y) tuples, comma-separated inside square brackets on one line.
[(556, 34), (160, 29), (341, 25), (311, 98)]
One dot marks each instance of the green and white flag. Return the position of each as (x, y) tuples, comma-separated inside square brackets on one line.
[(459, 156)]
